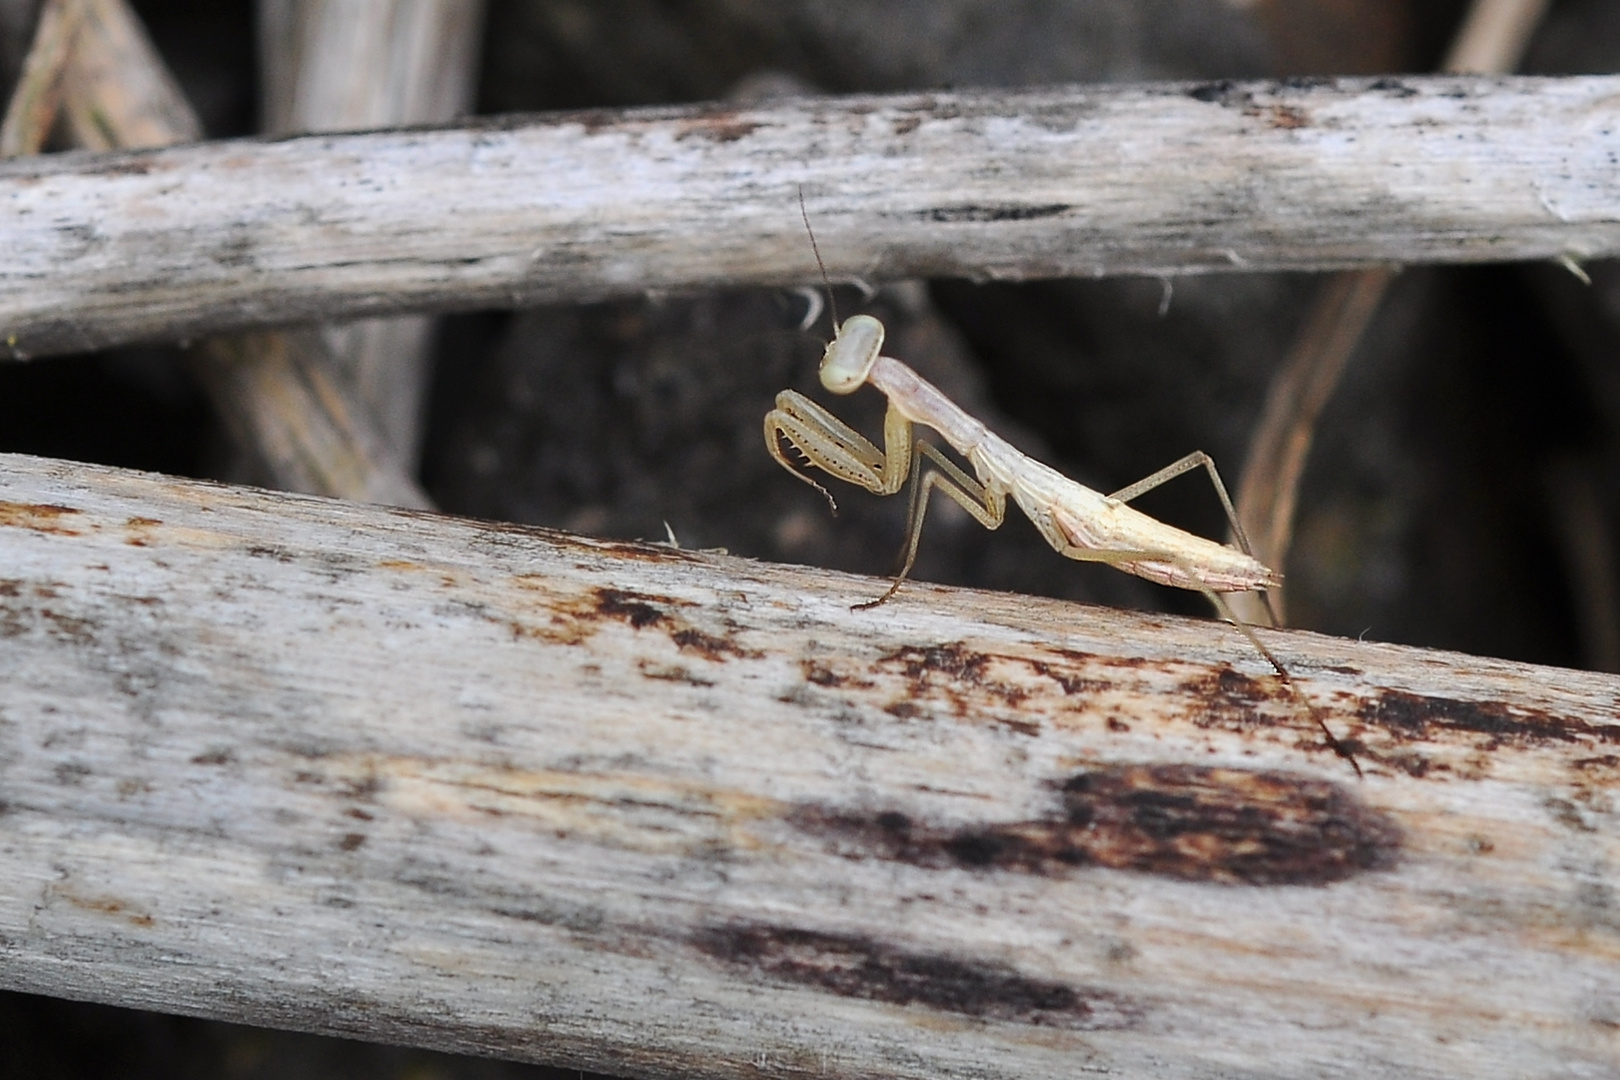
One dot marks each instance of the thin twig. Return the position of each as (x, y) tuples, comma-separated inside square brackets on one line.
[(38, 95), (1268, 493)]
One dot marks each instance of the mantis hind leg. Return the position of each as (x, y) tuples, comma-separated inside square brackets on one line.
[(988, 507), (1119, 557), (1188, 464)]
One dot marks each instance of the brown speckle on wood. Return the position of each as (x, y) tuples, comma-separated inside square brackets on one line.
[(40, 517)]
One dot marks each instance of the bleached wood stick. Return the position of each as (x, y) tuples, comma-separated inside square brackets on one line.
[(1159, 179), (327, 766), (119, 93)]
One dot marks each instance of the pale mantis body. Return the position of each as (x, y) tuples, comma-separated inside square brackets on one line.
[(1078, 522)]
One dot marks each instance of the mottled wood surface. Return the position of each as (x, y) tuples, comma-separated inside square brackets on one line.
[(1155, 179), (319, 765)]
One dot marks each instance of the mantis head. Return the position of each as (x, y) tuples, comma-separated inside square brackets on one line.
[(851, 354)]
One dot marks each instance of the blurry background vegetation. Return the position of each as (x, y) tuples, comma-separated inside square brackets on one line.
[(1460, 493)]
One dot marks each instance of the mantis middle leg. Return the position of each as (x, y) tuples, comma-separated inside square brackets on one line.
[(987, 505)]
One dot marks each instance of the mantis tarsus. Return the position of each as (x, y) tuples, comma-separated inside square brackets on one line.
[(1078, 522)]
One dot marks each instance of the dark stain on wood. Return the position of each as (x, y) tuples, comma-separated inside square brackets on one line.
[(859, 967), (1070, 682), (958, 673), (1417, 716), (69, 627), (1180, 821), (641, 611), (264, 551), (139, 531), (952, 659), (1397, 88), (71, 773), (1220, 92), (1288, 117), (630, 607), (1006, 212), (832, 676), (671, 673), (644, 552), (1252, 99), (1224, 698), (40, 517)]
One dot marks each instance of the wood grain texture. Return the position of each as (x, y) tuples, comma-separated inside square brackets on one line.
[(660, 813), (1157, 179)]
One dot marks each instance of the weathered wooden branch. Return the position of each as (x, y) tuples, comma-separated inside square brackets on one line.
[(1160, 179), (327, 766), (119, 93), (278, 396)]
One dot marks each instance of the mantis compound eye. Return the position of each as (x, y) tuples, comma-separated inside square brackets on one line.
[(851, 354)]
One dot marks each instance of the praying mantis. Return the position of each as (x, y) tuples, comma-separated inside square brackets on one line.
[(1078, 522)]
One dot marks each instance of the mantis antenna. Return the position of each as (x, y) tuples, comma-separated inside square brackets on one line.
[(832, 304)]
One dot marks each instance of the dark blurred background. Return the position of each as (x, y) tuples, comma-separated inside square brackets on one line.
[(1460, 494)]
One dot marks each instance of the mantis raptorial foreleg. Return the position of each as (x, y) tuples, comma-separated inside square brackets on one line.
[(833, 446)]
